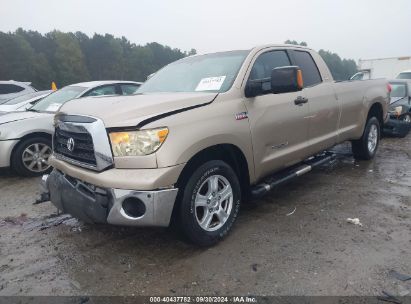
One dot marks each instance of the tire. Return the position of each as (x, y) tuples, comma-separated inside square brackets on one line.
[(366, 147), (199, 196), (30, 156)]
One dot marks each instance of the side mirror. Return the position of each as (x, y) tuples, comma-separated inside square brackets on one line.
[(286, 79)]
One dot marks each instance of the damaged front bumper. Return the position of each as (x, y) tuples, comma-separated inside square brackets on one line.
[(95, 204)]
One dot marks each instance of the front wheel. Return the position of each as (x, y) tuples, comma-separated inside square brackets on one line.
[(366, 147), (210, 203)]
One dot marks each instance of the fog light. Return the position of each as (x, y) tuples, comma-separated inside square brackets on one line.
[(134, 207)]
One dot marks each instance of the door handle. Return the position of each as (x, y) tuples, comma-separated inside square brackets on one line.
[(299, 101)]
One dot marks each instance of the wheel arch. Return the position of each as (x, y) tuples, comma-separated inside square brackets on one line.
[(377, 111), (228, 153)]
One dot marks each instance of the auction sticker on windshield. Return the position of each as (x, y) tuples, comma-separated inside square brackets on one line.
[(210, 83)]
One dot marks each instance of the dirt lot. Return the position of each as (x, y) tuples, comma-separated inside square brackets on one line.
[(311, 252)]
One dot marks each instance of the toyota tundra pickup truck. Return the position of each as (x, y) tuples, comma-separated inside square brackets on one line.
[(203, 134)]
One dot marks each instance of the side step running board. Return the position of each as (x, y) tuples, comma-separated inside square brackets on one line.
[(284, 176)]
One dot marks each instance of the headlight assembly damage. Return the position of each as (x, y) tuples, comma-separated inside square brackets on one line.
[(137, 143)]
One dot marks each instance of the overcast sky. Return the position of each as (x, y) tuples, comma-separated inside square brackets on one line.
[(352, 28)]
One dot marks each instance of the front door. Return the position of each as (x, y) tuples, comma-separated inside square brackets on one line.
[(279, 126)]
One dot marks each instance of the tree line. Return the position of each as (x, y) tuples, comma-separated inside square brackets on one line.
[(341, 69), (67, 58)]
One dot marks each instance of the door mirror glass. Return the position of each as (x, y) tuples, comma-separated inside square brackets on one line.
[(286, 79)]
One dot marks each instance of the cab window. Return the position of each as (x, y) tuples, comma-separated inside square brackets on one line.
[(305, 62), (265, 63), (103, 90), (129, 88), (10, 88)]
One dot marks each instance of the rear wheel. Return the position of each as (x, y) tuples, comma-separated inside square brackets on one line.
[(210, 203), (30, 158), (366, 147)]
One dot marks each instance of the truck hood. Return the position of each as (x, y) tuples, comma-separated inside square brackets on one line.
[(126, 111), (22, 115)]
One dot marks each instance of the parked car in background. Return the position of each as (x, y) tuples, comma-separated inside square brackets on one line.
[(10, 89), (399, 123), (381, 68), (404, 75), (25, 137), (23, 102), (204, 132)]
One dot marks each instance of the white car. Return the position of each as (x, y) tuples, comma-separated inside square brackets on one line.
[(404, 75), (23, 102), (10, 89), (25, 137)]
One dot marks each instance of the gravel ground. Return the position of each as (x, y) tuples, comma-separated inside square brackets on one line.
[(314, 251)]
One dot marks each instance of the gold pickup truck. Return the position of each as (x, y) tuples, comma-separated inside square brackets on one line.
[(205, 132)]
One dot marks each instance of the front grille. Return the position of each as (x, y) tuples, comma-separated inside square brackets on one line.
[(83, 148)]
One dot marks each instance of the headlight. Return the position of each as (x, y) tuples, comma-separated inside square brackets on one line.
[(137, 143), (398, 110)]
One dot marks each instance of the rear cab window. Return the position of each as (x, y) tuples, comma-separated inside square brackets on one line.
[(311, 74)]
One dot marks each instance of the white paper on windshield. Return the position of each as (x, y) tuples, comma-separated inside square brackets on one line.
[(210, 83), (53, 107)]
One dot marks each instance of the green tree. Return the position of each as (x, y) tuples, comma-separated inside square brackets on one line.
[(341, 69), (302, 43), (68, 60)]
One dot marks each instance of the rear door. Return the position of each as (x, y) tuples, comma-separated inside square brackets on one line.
[(279, 128), (324, 108)]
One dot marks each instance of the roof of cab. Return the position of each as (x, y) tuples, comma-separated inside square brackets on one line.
[(263, 46)]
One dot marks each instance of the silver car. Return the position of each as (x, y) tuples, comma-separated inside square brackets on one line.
[(23, 102), (25, 137), (10, 89)]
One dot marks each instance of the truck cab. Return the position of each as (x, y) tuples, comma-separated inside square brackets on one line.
[(205, 132)]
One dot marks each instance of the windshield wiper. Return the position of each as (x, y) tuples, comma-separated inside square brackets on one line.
[(33, 110)]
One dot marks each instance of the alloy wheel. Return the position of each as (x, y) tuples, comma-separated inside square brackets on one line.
[(372, 138), (213, 203), (35, 157)]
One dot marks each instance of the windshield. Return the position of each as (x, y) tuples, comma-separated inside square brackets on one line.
[(398, 90), (54, 101), (25, 97), (210, 73), (404, 75)]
